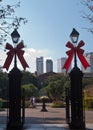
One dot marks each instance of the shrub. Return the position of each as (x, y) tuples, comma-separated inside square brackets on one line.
[(89, 102), (44, 98), (5, 104), (27, 104), (57, 104), (1, 102)]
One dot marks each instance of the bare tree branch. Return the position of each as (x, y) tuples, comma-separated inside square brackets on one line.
[(8, 20), (88, 14)]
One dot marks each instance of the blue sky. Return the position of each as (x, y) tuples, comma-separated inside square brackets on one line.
[(50, 23)]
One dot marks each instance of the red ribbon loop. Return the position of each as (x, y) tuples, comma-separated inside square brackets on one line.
[(79, 53), (12, 52)]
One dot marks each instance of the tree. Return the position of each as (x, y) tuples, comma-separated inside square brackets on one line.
[(8, 20), (55, 78), (3, 85), (30, 90), (54, 90), (87, 81), (29, 78), (55, 86), (88, 4)]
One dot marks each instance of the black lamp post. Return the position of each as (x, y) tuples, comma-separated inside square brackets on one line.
[(15, 75), (74, 38), (77, 112), (15, 38)]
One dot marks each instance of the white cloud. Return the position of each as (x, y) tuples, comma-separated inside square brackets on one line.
[(30, 57), (32, 50)]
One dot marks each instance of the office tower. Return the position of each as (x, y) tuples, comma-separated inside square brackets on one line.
[(60, 64), (49, 65), (89, 58), (39, 66)]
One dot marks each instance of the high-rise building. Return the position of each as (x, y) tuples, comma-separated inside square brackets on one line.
[(39, 66), (60, 64), (89, 58), (49, 65)]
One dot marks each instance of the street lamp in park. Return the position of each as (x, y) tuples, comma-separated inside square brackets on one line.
[(75, 117), (77, 112), (15, 38), (15, 120), (74, 38), (15, 115)]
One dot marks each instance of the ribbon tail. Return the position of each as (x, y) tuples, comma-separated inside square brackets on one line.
[(68, 63), (23, 62), (83, 61), (8, 62)]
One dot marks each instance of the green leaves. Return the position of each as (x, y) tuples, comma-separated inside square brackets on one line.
[(56, 86), (30, 90)]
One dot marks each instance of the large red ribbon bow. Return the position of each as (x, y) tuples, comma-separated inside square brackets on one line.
[(79, 53), (12, 51)]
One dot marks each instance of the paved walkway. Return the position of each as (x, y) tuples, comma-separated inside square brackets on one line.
[(53, 119), (52, 116), (47, 127)]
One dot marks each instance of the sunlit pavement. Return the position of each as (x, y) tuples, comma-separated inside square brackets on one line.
[(53, 127), (53, 119), (47, 127)]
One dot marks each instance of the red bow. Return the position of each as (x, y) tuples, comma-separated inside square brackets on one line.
[(71, 53), (16, 51)]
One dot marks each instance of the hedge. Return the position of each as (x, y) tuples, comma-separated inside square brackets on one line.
[(57, 104), (88, 102)]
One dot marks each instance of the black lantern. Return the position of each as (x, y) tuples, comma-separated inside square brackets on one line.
[(74, 36), (15, 36)]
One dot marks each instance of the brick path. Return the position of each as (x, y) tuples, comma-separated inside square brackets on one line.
[(52, 116), (53, 119)]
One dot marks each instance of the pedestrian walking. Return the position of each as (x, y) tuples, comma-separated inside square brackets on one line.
[(31, 101)]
